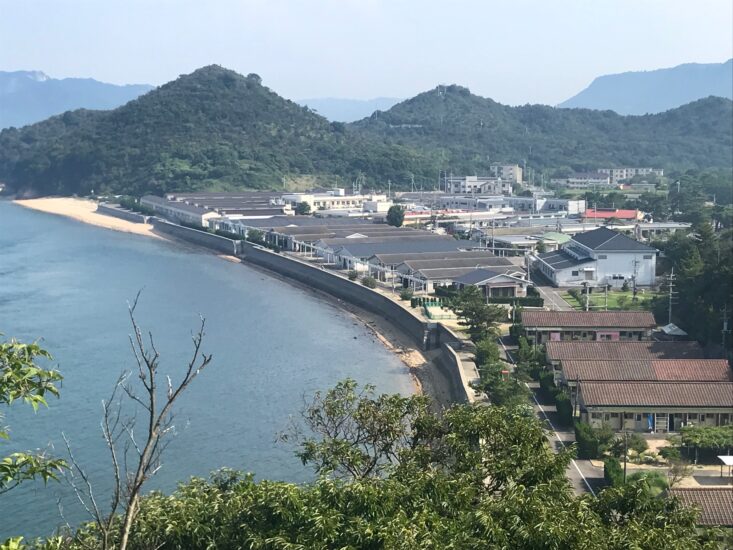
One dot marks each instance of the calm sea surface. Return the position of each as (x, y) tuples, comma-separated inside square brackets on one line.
[(68, 284)]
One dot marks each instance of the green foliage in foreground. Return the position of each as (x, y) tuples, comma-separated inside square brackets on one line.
[(21, 379), (474, 478)]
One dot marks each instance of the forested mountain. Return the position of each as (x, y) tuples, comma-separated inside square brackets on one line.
[(465, 131), (638, 93), (210, 129), (216, 129), (348, 110), (30, 96)]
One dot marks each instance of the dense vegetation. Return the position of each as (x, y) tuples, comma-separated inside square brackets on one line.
[(391, 474), (215, 129)]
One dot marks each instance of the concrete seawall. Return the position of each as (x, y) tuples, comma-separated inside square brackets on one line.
[(199, 237), (427, 335), (116, 212), (342, 288)]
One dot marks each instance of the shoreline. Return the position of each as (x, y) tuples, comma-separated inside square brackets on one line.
[(426, 376), (84, 210)]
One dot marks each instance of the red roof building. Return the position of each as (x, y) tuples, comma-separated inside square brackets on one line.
[(609, 213)]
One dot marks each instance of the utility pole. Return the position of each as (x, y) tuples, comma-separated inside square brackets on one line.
[(670, 285), (605, 288), (389, 189), (626, 452), (633, 279), (725, 328)]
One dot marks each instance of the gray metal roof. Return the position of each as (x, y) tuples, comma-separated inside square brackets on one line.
[(182, 206), (611, 241), (395, 259), (453, 273), (559, 259), (477, 276), (393, 246), (486, 261)]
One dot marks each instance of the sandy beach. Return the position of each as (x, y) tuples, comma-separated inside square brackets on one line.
[(425, 373), (84, 210)]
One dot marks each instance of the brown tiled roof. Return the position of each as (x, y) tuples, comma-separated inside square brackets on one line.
[(695, 369), (658, 394), (715, 504), (621, 351), (683, 370), (608, 370), (589, 319)]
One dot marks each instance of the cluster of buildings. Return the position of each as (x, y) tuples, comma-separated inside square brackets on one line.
[(402, 257), (608, 178), (617, 375)]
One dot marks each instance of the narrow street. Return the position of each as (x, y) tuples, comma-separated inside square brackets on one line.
[(583, 476)]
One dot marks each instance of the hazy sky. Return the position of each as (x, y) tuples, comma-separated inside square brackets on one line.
[(515, 51)]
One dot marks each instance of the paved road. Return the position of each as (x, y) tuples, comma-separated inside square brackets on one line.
[(552, 297), (583, 476)]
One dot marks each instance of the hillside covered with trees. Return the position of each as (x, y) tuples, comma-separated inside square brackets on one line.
[(215, 129)]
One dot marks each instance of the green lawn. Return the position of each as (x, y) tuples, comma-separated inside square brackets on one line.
[(617, 300)]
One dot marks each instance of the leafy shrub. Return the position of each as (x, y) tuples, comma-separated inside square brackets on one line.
[(547, 382), (487, 351), (656, 481), (564, 407), (634, 443), (612, 472), (352, 275), (592, 442), (406, 294), (670, 453), (369, 282)]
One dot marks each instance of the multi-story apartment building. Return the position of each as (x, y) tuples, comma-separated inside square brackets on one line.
[(588, 180), (508, 172), (625, 173), (475, 185)]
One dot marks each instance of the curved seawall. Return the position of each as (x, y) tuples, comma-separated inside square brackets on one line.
[(427, 335)]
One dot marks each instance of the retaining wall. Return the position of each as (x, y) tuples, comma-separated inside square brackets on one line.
[(199, 237), (338, 286), (117, 212), (428, 335)]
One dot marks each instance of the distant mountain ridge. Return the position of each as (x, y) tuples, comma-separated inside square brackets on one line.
[(215, 129), (639, 93), (27, 97), (348, 110)]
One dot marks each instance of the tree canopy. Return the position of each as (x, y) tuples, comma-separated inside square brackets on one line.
[(23, 380), (473, 477)]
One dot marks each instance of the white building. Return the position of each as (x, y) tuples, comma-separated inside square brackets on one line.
[(625, 173), (599, 257), (508, 172), (332, 201), (583, 181), (179, 211), (475, 185), (515, 205)]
